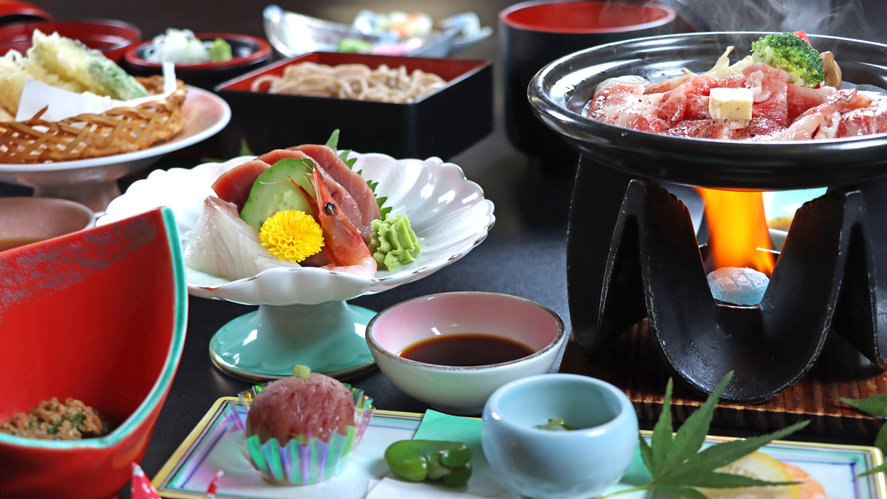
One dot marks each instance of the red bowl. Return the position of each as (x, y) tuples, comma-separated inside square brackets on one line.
[(248, 53), (12, 11), (586, 17), (98, 315), (112, 38), (534, 33)]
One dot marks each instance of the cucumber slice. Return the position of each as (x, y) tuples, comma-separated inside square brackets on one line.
[(274, 191)]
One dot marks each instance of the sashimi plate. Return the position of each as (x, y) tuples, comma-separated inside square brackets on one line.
[(302, 316)]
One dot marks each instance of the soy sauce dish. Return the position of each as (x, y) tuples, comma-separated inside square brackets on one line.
[(453, 350)]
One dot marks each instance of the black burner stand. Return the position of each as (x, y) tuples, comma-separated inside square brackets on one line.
[(633, 253)]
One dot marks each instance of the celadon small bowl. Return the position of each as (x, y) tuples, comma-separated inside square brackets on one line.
[(549, 464)]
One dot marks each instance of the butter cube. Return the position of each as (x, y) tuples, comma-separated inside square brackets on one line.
[(730, 103)]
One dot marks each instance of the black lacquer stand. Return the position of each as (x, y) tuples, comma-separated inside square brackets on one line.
[(633, 252)]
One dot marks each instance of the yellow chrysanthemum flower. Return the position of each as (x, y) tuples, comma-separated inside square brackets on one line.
[(291, 234)]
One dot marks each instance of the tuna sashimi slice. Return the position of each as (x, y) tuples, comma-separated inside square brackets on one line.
[(234, 185)]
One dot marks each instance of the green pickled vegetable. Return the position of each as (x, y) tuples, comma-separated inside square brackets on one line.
[(420, 460), (302, 372), (393, 243), (556, 424), (220, 51), (353, 45), (76, 420)]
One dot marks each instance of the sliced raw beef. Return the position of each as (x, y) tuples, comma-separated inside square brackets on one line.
[(872, 119), (808, 124), (621, 102), (800, 99), (689, 101), (769, 90)]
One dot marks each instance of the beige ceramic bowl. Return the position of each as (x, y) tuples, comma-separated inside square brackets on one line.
[(26, 220), (456, 389)]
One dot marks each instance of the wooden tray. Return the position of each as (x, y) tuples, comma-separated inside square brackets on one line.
[(632, 362)]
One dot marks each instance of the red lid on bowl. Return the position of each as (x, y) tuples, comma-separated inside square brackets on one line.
[(586, 17)]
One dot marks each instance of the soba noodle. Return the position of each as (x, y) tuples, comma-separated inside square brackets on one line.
[(352, 81)]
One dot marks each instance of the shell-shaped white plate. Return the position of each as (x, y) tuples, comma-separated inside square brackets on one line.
[(447, 211)]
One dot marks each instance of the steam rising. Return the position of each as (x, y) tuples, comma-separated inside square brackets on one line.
[(847, 18)]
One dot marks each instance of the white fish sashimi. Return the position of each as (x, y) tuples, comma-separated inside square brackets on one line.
[(224, 245)]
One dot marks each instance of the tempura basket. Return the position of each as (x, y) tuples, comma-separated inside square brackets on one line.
[(116, 131)]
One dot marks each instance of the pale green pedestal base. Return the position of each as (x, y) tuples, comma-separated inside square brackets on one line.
[(267, 344)]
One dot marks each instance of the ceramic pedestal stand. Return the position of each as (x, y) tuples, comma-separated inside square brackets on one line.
[(268, 343)]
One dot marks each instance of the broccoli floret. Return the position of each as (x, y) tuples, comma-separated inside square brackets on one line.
[(792, 54)]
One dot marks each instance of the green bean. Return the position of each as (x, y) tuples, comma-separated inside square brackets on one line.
[(419, 460)]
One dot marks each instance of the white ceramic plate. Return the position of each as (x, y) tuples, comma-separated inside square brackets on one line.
[(447, 211), (205, 115)]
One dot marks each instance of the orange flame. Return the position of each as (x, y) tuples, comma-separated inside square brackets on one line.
[(737, 229)]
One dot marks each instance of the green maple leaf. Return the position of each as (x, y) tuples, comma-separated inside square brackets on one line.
[(876, 405), (675, 462)]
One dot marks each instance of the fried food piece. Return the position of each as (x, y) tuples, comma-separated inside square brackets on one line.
[(15, 69), (72, 61), (12, 80)]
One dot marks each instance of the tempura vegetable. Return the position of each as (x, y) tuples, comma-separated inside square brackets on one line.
[(12, 80), (72, 61)]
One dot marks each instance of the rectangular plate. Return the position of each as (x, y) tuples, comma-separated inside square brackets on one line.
[(186, 475)]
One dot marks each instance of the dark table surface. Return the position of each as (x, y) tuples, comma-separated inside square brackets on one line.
[(524, 255)]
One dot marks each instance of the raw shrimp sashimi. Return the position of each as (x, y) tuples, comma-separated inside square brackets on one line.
[(344, 245), (224, 245), (359, 203)]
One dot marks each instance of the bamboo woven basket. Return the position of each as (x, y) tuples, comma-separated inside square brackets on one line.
[(116, 131)]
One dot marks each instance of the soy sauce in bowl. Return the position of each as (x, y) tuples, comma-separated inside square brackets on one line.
[(466, 350)]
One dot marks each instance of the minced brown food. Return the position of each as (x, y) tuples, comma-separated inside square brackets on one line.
[(53, 420)]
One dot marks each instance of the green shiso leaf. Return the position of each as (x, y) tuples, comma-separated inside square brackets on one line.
[(333, 141)]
